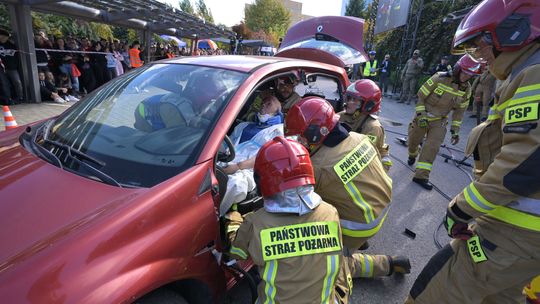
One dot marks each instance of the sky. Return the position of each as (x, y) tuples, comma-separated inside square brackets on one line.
[(231, 12)]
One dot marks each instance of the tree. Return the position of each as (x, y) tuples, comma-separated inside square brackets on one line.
[(186, 7), (261, 35), (4, 16), (356, 8), (204, 12), (270, 16), (242, 30)]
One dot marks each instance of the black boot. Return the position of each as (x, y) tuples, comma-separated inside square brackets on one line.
[(399, 264), (411, 160), (423, 182), (364, 246)]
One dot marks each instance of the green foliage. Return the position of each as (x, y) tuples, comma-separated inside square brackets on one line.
[(186, 7), (4, 16), (132, 35), (356, 8), (434, 37), (204, 12), (120, 33), (270, 16), (101, 30), (61, 26)]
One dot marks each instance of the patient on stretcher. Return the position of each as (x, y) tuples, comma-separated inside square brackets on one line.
[(248, 138)]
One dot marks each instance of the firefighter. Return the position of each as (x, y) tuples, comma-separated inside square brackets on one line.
[(363, 101), (409, 76), (295, 239), (285, 92), (438, 96), (350, 176), (491, 261), (370, 67), (483, 93)]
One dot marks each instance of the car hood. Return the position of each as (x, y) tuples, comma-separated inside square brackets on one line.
[(339, 36), (41, 203)]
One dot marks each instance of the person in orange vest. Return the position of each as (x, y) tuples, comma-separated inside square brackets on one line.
[(134, 55), (170, 53)]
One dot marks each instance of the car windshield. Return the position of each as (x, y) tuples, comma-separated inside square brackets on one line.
[(344, 52), (149, 124)]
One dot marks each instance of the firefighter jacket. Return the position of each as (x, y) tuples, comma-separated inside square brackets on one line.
[(289, 102), (484, 143), (369, 125), (486, 82), (299, 257), (506, 199), (413, 67), (351, 177), (439, 96)]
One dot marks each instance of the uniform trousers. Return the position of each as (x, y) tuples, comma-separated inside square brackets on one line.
[(434, 136)]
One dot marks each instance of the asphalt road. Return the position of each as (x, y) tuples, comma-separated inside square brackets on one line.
[(412, 207)]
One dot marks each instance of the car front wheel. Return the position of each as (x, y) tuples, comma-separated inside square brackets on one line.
[(162, 296)]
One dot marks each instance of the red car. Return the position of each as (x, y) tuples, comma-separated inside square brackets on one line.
[(116, 199)]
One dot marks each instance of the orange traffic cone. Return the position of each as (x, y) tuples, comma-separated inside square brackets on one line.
[(9, 120)]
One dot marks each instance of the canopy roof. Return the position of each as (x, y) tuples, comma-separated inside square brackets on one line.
[(149, 15)]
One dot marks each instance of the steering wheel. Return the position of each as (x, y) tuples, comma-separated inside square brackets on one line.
[(227, 157)]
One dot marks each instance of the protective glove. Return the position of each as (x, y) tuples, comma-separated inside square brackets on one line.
[(387, 163), (456, 228), (422, 121), (233, 220)]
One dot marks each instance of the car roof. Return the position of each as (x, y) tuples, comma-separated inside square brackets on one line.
[(230, 62)]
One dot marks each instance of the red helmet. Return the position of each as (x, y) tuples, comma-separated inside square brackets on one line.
[(313, 118), (282, 164), (508, 25), (467, 65), (369, 94)]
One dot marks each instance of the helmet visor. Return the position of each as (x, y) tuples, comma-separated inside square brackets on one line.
[(474, 70), (465, 45)]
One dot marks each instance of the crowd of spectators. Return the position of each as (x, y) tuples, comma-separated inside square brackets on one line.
[(70, 67)]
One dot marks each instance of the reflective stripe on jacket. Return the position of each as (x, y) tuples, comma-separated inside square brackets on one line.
[(354, 166), (286, 247), (134, 58), (509, 190), (368, 67)]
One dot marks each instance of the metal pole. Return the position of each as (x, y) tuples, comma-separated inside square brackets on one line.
[(21, 21), (147, 41)]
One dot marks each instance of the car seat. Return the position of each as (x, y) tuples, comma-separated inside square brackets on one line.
[(161, 111)]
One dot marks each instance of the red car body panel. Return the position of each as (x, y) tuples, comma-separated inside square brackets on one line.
[(229, 62), (70, 239), (88, 242)]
